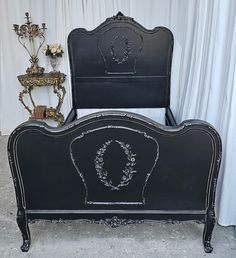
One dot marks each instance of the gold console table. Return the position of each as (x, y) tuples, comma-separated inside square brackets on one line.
[(54, 80)]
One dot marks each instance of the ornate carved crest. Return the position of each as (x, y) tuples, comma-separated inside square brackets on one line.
[(119, 16)]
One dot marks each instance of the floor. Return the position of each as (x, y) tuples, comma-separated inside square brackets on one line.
[(83, 239)]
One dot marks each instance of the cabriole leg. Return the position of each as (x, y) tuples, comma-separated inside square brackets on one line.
[(208, 228), (24, 228)]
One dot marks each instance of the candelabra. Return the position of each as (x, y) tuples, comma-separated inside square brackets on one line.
[(27, 35)]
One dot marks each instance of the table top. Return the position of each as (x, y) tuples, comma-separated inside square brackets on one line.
[(45, 79)]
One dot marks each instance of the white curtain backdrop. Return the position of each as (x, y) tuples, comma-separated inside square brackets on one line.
[(203, 83)]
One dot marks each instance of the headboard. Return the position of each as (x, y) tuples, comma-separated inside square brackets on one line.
[(120, 64)]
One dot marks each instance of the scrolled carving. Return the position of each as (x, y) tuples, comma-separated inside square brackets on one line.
[(47, 79), (127, 171), (43, 80), (120, 17), (115, 222)]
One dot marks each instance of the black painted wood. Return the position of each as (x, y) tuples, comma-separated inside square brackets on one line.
[(169, 117), (120, 64), (115, 164), (117, 167)]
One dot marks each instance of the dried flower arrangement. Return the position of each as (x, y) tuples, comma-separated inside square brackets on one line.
[(53, 50)]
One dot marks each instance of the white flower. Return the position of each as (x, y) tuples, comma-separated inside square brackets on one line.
[(53, 46), (53, 50)]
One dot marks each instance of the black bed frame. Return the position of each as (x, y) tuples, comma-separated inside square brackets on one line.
[(117, 167), (121, 64)]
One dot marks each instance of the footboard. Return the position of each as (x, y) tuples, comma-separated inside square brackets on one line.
[(115, 166)]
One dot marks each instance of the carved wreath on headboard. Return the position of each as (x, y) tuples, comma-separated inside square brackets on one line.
[(127, 171), (120, 49)]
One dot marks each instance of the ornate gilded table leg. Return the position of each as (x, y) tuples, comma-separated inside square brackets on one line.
[(60, 118), (21, 99), (60, 91), (30, 95)]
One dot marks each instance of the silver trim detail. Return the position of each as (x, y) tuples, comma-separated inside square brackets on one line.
[(83, 134)]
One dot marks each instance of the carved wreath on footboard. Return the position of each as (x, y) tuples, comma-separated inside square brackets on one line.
[(122, 177), (127, 171)]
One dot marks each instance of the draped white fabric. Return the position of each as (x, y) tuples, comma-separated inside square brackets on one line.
[(203, 71)]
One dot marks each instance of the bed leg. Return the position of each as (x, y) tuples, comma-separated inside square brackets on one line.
[(208, 228), (166, 122), (24, 228)]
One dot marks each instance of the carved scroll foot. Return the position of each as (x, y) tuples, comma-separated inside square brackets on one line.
[(209, 226), (26, 245), (207, 247), (24, 228)]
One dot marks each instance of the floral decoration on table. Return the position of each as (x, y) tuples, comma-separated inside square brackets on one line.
[(53, 51)]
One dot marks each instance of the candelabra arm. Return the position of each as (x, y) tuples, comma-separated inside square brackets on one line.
[(41, 44), (29, 32), (23, 44)]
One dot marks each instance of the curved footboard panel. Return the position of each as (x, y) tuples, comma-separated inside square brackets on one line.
[(115, 163)]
